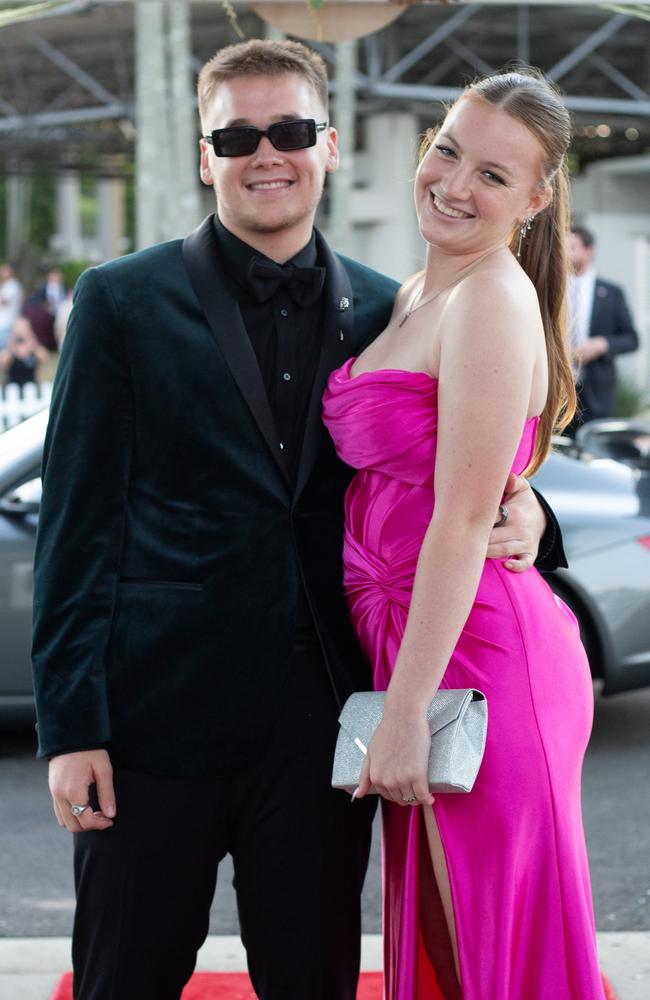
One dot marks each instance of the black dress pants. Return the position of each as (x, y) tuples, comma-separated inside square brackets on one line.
[(299, 848)]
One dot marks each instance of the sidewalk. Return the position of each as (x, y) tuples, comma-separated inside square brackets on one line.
[(30, 967)]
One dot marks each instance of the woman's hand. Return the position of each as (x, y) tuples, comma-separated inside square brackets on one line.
[(398, 759)]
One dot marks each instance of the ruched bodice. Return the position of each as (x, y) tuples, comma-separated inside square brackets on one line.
[(523, 915), (384, 423), (387, 420)]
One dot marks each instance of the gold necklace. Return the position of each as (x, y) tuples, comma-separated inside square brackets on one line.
[(411, 308)]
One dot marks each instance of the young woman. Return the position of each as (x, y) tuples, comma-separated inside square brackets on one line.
[(487, 895)]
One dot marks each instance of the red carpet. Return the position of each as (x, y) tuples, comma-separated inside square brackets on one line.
[(230, 986), (236, 986), (609, 992)]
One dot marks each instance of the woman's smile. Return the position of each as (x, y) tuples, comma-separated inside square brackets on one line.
[(444, 209)]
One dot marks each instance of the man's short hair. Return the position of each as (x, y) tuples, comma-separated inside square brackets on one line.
[(585, 236), (261, 57)]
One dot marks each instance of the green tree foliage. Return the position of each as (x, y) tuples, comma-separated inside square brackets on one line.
[(43, 217)]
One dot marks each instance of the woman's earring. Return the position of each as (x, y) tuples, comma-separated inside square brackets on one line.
[(524, 229)]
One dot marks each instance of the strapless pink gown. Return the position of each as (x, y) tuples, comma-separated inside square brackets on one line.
[(514, 846)]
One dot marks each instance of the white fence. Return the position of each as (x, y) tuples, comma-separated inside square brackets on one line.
[(19, 402)]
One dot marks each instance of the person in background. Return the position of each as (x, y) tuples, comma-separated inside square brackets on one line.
[(20, 359), (52, 292), (601, 327), (42, 306), (11, 300)]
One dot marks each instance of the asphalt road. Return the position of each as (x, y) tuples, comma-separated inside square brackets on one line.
[(36, 893)]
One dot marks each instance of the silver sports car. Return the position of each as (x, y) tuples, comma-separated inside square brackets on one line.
[(603, 506)]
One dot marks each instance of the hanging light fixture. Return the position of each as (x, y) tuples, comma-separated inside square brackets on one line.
[(330, 20)]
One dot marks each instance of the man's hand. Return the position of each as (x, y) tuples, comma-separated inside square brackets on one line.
[(517, 541), (71, 775), (590, 349)]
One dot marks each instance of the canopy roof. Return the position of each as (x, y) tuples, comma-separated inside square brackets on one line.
[(67, 74)]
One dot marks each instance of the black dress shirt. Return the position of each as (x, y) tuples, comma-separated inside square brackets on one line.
[(286, 339)]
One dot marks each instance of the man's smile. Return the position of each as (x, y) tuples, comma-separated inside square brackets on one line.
[(276, 185)]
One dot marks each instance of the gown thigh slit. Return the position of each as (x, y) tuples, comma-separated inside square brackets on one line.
[(438, 866), (514, 846), (437, 972)]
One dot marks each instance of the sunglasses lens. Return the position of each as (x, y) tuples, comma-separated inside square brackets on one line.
[(235, 141), (293, 135), (242, 141)]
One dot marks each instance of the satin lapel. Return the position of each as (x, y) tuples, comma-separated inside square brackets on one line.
[(336, 348), (224, 319)]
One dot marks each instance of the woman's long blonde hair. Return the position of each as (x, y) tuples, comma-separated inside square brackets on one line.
[(531, 99)]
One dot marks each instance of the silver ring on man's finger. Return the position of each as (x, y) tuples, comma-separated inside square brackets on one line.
[(503, 511), (77, 810)]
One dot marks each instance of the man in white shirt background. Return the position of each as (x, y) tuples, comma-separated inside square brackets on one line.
[(601, 327), (11, 300)]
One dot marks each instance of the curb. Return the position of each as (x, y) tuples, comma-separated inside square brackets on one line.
[(30, 967)]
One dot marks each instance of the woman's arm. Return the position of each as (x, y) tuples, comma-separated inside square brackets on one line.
[(486, 369)]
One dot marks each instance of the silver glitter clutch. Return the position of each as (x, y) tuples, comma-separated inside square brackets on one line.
[(458, 727)]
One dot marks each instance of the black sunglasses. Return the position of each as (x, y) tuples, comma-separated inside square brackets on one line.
[(242, 140)]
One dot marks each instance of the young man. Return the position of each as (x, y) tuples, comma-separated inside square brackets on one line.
[(190, 629)]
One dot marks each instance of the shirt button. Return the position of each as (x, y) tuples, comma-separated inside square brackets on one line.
[(286, 377), (284, 312)]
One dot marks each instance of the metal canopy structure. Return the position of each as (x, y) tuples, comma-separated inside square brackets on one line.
[(67, 76)]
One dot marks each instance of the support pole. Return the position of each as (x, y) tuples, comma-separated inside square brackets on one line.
[(392, 243), (273, 33), (167, 190), (18, 213), (184, 122), (523, 33), (152, 143), (344, 119), (111, 215), (68, 238)]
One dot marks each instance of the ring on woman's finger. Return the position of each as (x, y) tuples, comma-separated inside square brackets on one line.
[(503, 511), (410, 799), (77, 810)]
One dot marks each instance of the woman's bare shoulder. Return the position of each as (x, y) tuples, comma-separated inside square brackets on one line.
[(494, 310), (495, 287)]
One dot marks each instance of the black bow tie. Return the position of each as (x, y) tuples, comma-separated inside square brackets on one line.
[(304, 284)]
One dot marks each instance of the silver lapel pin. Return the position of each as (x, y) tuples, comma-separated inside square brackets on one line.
[(343, 305)]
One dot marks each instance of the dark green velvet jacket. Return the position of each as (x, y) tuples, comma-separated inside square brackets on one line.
[(171, 544)]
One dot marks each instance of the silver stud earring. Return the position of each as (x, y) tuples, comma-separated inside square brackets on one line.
[(524, 229)]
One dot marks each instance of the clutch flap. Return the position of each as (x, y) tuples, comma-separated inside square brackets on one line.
[(363, 710), (448, 705), (361, 715)]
